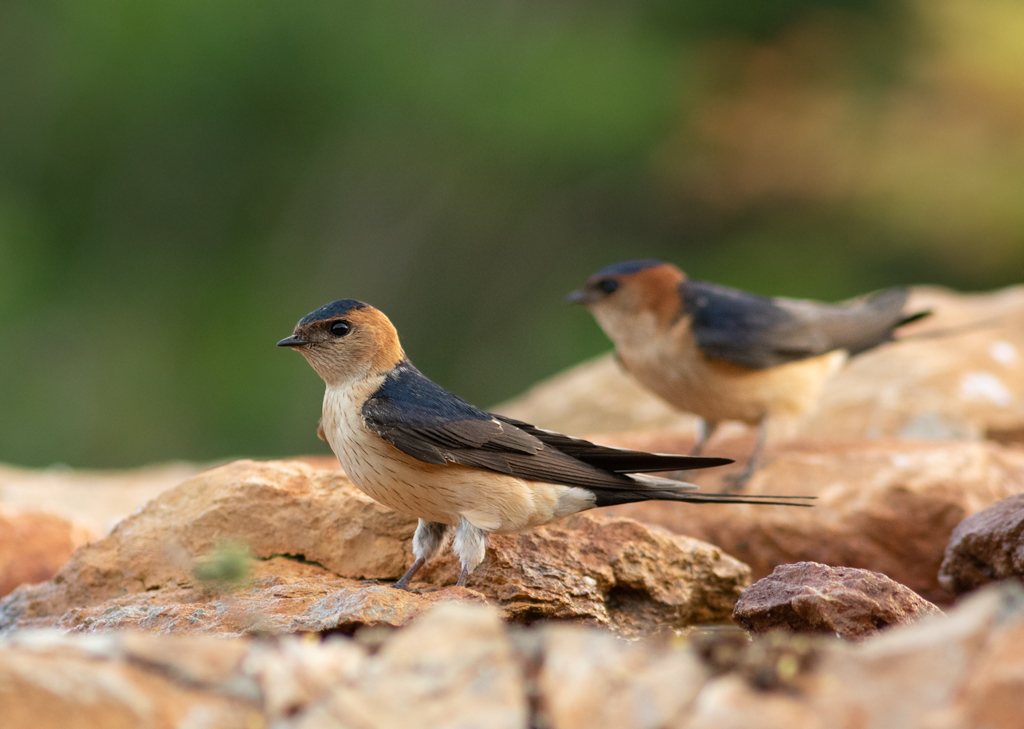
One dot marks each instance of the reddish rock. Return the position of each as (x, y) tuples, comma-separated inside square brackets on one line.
[(313, 537), (886, 506), (986, 546), (815, 598), (33, 546)]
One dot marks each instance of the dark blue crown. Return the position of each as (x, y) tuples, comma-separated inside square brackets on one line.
[(626, 267), (331, 310)]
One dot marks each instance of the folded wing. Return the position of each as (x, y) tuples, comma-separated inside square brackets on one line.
[(425, 421), (760, 332)]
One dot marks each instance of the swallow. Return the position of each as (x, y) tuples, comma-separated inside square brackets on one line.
[(724, 354), (464, 473)]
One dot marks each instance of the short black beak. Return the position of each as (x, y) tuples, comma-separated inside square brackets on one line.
[(578, 297), (292, 341)]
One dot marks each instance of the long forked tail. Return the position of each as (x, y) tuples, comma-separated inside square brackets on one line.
[(950, 331), (663, 489)]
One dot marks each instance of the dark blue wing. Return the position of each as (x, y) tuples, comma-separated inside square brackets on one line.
[(760, 332), (427, 422)]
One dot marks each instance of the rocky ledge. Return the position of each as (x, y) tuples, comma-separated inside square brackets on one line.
[(888, 506), (284, 547)]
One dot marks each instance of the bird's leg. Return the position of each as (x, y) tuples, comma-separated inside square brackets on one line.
[(430, 536), (470, 545), (707, 429), (737, 481)]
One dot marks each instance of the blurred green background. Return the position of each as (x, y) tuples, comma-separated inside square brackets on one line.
[(180, 182)]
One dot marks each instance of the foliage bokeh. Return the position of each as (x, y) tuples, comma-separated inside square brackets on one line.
[(180, 182)]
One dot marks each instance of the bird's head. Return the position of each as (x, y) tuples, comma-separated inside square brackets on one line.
[(346, 340), (620, 294)]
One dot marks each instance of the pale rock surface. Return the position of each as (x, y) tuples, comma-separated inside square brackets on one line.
[(453, 667), (812, 597), (591, 679), (458, 665), (315, 540), (93, 500), (887, 506), (986, 546), (966, 385), (50, 681), (916, 676)]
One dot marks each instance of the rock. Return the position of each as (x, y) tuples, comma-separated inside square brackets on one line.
[(313, 537), (729, 702), (613, 572), (92, 500), (994, 694), (815, 598), (50, 681), (459, 665), (886, 506), (591, 679), (915, 676), (985, 546), (293, 674), (965, 385), (33, 546), (452, 667)]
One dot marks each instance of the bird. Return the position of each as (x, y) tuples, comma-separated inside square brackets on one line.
[(725, 354), (464, 473)]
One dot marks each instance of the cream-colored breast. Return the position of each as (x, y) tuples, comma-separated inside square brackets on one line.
[(491, 501), (671, 365)]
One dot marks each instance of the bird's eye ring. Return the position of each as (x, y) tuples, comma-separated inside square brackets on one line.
[(340, 328), (608, 285)]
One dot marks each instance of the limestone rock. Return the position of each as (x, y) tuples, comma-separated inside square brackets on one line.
[(915, 676), (591, 679), (459, 665), (886, 506), (314, 540), (49, 681), (994, 695), (34, 545), (986, 546), (453, 667), (92, 500), (811, 597), (605, 571), (966, 385)]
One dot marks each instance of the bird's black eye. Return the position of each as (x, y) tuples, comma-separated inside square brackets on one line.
[(608, 285), (340, 328)]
